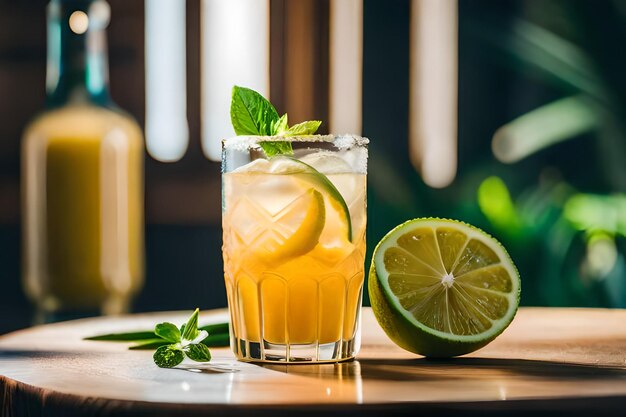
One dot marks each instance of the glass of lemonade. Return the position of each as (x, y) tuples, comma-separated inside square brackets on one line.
[(294, 247)]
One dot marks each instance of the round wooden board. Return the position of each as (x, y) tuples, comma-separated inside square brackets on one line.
[(570, 361)]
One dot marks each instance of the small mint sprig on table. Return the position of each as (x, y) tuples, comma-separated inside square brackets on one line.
[(253, 115), (186, 341), (147, 339), (175, 343)]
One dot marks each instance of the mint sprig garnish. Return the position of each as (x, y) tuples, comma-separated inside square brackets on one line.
[(168, 332), (253, 115), (186, 341), (172, 344), (303, 129), (190, 329)]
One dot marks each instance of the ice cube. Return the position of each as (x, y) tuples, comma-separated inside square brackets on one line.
[(327, 162), (258, 165), (278, 165)]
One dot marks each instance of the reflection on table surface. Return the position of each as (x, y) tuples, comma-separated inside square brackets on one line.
[(554, 355)]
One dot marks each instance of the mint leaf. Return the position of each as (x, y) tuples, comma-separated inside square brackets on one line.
[(272, 148), (276, 148), (190, 331), (304, 128), (280, 126), (198, 353), (168, 332), (251, 113), (168, 356)]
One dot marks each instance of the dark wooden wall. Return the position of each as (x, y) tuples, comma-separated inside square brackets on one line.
[(299, 58)]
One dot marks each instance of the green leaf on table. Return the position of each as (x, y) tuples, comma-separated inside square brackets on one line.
[(168, 332), (123, 337), (149, 344), (217, 340), (172, 344), (251, 114), (216, 331), (168, 356), (190, 331), (304, 128), (198, 353), (215, 328)]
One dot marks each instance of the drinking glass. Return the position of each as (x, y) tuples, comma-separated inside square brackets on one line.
[(294, 247)]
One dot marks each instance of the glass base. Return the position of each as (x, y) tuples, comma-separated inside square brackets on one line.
[(249, 351)]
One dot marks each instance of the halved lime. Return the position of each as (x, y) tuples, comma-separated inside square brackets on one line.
[(442, 288)]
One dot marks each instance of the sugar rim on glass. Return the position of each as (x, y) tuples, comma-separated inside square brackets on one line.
[(245, 143)]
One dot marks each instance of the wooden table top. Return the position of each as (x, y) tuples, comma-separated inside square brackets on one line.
[(560, 360)]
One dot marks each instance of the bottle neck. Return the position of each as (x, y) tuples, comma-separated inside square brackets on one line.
[(77, 65)]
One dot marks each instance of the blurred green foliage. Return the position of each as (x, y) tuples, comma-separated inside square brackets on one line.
[(550, 180)]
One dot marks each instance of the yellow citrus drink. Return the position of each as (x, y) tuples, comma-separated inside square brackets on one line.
[(294, 247)]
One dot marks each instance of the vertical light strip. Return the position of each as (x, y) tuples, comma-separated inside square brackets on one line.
[(433, 90), (235, 50), (167, 131), (346, 66), (114, 251)]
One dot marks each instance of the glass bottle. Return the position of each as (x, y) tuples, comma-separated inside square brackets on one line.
[(82, 178)]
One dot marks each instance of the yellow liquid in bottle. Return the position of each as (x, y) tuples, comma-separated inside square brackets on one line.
[(83, 201)]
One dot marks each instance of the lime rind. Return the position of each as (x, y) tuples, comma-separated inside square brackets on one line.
[(286, 165), (317, 178), (410, 333)]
